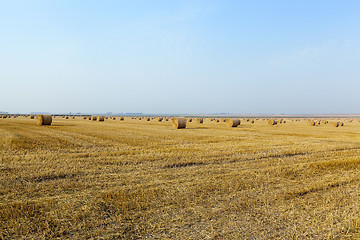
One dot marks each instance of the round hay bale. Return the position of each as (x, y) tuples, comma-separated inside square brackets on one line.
[(44, 119), (200, 120), (190, 119), (100, 118), (32, 116), (148, 119), (334, 124), (252, 121), (311, 122), (160, 119), (272, 122), (217, 120), (166, 119), (341, 123), (121, 118), (324, 122), (66, 117), (232, 122), (84, 117), (179, 122), (93, 118)]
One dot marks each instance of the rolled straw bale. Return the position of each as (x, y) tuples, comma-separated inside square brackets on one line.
[(160, 119), (166, 119), (272, 122), (148, 119), (232, 122), (217, 120), (93, 118), (190, 119), (248, 120), (66, 117), (334, 123), (121, 118), (32, 116), (107, 117), (84, 117), (44, 119), (252, 121), (179, 122), (341, 123), (100, 118), (311, 122), (200, 120), (324, 122)]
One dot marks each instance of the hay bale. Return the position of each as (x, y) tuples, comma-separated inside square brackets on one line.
[(252, 121), (335, 124), (166, 119), (148, 119), (159, 119), (200, 120), (84, 117), (121, 118), (93, 118), (100, 118), (179, 122), (217, 120), (44, 119), (324, 122), (232, 122), (340, 123), (66, 117), (32, 116), (190, 119), (311, 122), (272, 122)]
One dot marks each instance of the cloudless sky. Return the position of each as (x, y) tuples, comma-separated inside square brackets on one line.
[(247, 57)]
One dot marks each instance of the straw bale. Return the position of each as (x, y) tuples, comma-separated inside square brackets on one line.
[(179, 122), (232, 122), (44, 119)]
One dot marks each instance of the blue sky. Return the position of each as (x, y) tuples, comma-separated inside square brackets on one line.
[(247, 57)]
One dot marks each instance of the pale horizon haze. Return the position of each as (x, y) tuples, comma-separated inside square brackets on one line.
[(163, 57)]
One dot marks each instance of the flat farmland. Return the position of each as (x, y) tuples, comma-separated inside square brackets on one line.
[(138, 179)]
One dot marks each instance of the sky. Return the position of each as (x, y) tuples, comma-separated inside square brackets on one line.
[(163, 57)]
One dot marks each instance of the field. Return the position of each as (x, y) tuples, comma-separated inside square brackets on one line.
[(136, 179)]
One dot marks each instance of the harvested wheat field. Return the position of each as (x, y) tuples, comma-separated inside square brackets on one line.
[(127, 179)]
